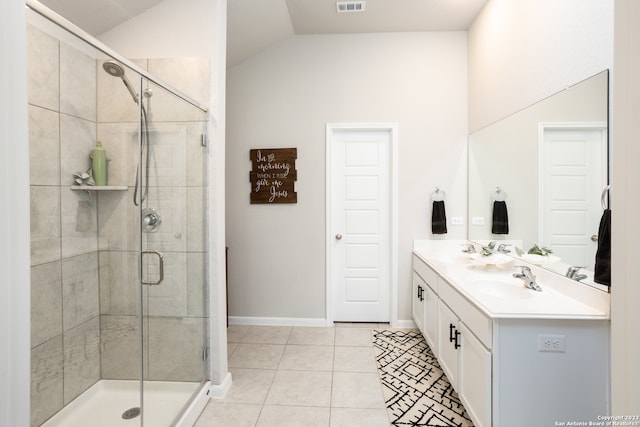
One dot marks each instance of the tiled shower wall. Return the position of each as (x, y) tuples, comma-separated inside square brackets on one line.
[(84, 293), (65, 322)]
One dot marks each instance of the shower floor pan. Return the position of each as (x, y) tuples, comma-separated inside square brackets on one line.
[(106, 401)]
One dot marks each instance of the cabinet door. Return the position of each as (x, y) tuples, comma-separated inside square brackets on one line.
[(430, 319), (447, 352), (417, 299), (475, 378)]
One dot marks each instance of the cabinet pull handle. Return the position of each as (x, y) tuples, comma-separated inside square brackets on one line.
[(451, 328), (456, 344)]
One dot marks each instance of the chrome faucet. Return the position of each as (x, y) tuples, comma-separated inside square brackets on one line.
[(529, 279), (468, 248), (504, 249), (573, 273)]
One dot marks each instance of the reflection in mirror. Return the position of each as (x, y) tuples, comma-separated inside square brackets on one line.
[(548, 164)]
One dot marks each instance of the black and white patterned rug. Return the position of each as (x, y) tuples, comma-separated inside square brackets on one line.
[(416, 391)]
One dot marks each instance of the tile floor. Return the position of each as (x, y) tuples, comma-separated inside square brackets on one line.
[(300, 377)]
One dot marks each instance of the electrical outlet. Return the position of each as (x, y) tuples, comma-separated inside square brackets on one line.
[(552, 343)]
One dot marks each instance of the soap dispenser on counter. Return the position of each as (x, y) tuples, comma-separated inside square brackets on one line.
[(99, 164)]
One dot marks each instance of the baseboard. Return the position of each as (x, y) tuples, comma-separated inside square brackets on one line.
[(276, 321), (298, 321), (219, 391), (405, 324)]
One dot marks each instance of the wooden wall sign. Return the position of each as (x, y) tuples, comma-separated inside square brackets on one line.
[(273, 175)]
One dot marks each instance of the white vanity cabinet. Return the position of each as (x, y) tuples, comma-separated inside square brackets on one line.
[(463, 358), (448, 343), (425, 304), (430, 318), (418, 301), (497, 361), (474, 377)]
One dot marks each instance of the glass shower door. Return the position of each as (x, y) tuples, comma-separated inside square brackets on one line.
[(171, 195), (106, 349)]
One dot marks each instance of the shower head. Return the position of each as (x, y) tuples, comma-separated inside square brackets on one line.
[(113, 68), (116, 70)]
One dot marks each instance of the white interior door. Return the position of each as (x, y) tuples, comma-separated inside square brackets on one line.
[(360, 226), (574, 174)]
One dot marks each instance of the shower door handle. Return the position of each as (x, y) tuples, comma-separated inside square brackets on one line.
[(161, 265)]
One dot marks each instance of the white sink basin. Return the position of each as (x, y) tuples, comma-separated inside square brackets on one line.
[(493, 259), (502, 289)]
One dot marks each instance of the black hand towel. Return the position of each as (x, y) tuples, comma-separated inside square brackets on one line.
[(438, 218), (603, 254), (500, 218)]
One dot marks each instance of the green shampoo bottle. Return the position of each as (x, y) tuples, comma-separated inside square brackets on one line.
[(99, 164)]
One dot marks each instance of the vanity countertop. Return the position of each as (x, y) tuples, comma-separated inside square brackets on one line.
[(494, 290)]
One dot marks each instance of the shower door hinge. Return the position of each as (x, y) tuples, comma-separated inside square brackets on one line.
[(203, 139)]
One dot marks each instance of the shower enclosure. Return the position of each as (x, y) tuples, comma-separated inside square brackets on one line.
[(118, 290)]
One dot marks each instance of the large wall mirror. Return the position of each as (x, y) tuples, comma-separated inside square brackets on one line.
[(549, 164)]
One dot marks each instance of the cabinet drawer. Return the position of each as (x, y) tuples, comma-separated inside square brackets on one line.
[(476, 321), (427, 274)]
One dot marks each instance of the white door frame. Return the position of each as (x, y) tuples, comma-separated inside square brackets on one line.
[(331, 128)]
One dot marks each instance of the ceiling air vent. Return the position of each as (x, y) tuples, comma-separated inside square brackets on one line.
[(350, 6)]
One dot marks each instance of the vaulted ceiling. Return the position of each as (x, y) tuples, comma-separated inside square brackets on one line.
[(254, 25)]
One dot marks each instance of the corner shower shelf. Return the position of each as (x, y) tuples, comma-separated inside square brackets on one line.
[(90, 188)]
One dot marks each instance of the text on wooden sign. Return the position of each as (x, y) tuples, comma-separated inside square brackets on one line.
[(273, 175)]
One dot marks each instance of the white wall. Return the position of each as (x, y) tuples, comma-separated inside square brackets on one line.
[(15, 301), (521, 51), (179, 28), (283, 97), (625, 205), (193, 28)]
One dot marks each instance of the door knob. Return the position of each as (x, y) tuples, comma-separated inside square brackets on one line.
[(338, 236), (594, 238)]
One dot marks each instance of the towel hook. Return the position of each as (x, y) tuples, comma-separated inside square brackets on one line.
[(438, 195), (499, 195), (604, 198)]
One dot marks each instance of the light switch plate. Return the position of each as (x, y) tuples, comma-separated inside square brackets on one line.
[(457, 220), (477, 220)]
